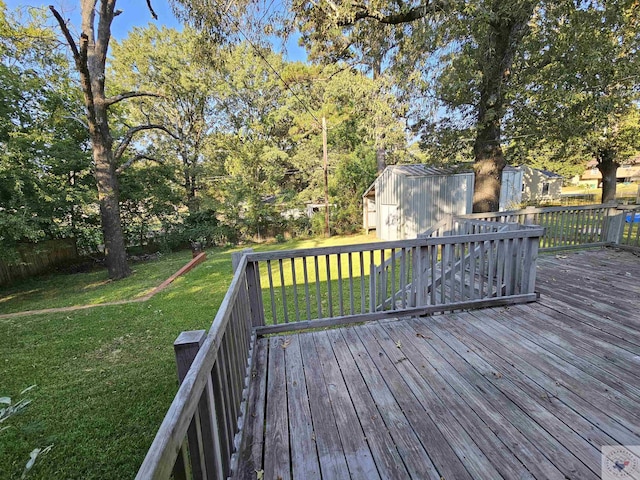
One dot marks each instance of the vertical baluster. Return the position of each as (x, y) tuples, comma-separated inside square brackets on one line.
[(318, 296), (307, 297), (255, 294), (483, 270), (372, 283), (351, 299), (327, 259), (340, 292), (472, 270), (295, 289), (222, 404), (393, 279), (382, 284), (284, 292), (362, 291), (403, 277), (274, 319), (493, 252), (433, 258), (463, 270), (443, 272)]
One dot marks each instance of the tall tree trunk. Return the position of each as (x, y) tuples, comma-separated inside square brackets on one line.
[(381, 152), (608, 168), (109, 200), (488, 166), (506, 33), (90, 56)]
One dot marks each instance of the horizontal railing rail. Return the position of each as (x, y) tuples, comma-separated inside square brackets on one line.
[(630, 226), (566, 227), (198, 434), (335, 285)]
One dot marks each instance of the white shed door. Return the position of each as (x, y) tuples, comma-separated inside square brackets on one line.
[(390, 228)]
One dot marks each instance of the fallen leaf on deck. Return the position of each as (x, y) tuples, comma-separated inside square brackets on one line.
[(285, 343), (398, 344), (259, 474), (423, 336)]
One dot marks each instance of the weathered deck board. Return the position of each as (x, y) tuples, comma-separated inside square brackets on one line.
[(528, 391)]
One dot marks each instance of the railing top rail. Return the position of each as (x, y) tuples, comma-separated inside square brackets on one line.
[(540, 210), (534, 231), (163, 452)]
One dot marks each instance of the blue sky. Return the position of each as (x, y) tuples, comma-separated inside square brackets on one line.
[(135, 14)]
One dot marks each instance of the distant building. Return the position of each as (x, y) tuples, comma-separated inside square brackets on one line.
[(540, 185), (407, 199), (628, 172)]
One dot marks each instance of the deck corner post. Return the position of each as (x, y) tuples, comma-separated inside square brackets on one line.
[(199, 434), (614, 225), (254, 290)]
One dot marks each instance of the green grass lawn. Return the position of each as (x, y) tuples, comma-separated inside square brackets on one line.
[(105, 376), (91, 288)]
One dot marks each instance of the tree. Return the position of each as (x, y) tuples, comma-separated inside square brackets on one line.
[(478, 40), (581, 84), (90, 57), (165, 60), (44, 167)]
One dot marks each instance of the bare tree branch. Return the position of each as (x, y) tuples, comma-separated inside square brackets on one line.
[(137, 158), (410, 15), (66, 32), (118, 98), (132, 131), (153, 13)]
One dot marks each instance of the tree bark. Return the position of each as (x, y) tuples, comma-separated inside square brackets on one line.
[(506, 33), (90, 57), (608, 168)]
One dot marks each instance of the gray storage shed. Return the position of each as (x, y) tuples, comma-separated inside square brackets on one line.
[(408, 199)]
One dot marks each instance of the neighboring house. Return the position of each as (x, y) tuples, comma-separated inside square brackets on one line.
[(408, 199), (627, 172), (540, 184)]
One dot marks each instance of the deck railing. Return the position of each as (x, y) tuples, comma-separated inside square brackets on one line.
[(319, 287), (481, 260), (296, 289), (575, 226), (198, 435)]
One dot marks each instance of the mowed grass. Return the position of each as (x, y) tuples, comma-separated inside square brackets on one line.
[(58, 290), (105, 376)]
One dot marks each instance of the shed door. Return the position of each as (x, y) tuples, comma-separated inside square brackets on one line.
[(390, 228)]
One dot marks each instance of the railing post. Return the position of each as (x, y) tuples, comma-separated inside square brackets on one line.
[(254, 290), (614, 225), (205, 461)]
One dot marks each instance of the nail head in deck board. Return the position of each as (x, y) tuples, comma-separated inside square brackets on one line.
[(385, 454), (356, 450), (419, 382), (409, 446), (252, 445), (276, 432), (330, 452), (440, 452), (304, 456), (425, 343)]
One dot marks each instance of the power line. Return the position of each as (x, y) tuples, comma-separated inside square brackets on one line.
[(260, 54)]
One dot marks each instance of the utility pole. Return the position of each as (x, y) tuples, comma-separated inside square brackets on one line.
[(327, 231)]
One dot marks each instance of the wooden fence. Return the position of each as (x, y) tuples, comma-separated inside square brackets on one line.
[(36, 258)]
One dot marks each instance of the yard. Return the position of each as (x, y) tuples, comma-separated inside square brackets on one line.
[(104, 376)]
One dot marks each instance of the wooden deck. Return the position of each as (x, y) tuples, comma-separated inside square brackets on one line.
[(528, 391)]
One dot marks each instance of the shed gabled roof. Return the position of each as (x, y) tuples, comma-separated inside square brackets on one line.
[(422, 170), (419, 170)]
